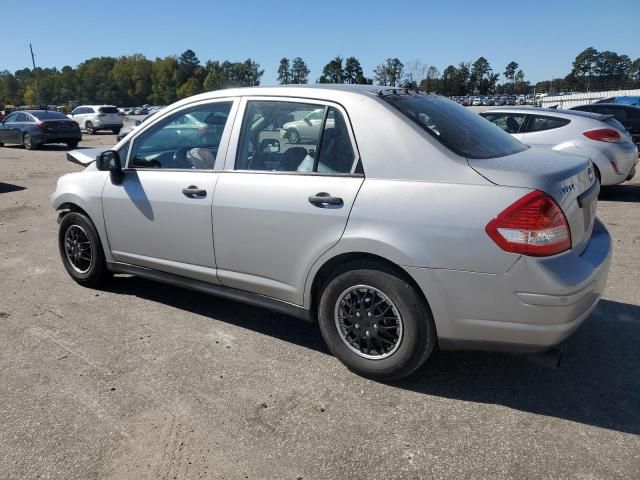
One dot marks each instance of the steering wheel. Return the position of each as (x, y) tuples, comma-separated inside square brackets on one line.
[(180, 158)]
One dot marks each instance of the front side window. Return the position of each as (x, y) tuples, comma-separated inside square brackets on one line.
[(509, 122), (22, 117), (539, 123), (294, 137), (458, 129), (188, 139)]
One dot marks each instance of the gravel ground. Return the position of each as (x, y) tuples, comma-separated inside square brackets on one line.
[(142, 380)]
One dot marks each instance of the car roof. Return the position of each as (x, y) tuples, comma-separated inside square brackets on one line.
[(550, 111)]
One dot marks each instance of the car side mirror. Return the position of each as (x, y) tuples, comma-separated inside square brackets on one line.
[(109, 161), (307, 121)]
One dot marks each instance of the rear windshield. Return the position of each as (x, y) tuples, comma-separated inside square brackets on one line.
[(108, 110), (50, 116), (460, 130)]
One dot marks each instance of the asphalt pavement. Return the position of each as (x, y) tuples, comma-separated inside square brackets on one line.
[(146, 381)]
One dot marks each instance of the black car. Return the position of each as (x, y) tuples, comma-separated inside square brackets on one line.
[(627, 115), (33, 128)]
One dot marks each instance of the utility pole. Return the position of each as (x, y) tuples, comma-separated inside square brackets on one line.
[(35, 76)]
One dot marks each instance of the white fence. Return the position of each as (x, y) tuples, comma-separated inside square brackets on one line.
[(574, 99)]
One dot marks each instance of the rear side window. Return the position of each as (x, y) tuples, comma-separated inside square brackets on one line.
[(462, 131), (509, 122), (538, 123), (282, 136), (108, 110)]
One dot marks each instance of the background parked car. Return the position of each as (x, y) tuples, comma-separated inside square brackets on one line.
[(97, 117), (600, 137), (33, 128), (627, 115), (127, 130)]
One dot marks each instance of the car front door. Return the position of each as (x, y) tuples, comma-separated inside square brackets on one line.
[(10, 131), (276, 212), (159, 215)]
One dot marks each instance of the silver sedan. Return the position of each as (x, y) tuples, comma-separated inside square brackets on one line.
[(404, 223)]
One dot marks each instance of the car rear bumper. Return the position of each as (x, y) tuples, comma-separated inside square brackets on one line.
[(534, 306), (106, 126), (59, 137)]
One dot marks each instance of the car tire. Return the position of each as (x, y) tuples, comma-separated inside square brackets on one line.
[(89, 128), (27, 141), (115, 131), (293, 136), (72, 145), (364, 290), (77, 236), (1, 144)]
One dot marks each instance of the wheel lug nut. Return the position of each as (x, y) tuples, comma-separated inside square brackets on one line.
[(357, 314), (357, 325), (367, 333), (368, 314), (375, 326)]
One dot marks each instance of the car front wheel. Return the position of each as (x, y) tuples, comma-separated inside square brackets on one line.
[(375, 322), (89, 128), (81, 250)]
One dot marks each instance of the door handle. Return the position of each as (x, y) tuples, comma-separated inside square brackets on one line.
[(323, 199), (193, 191)]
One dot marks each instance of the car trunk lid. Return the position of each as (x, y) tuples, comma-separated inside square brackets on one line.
[(569, 179)]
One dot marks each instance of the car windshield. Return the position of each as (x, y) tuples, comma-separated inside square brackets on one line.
[(50, 116), (108, 110), (464, 132)]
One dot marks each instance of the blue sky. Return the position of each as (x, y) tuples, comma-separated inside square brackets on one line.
[(543, 38)]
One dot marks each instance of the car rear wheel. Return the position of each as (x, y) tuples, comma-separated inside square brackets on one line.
[(81, 250), (72, 145), (115, 131), (27, 141), (89, 128), (375, 322)]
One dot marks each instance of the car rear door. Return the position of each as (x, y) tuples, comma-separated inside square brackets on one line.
[(159, 215), (279, 207)]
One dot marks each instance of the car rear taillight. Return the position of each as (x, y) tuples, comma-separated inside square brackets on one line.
[(603, 135), (102, 115), (533, 225), (43, 125)]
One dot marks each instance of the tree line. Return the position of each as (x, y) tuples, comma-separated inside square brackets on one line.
[(136, 80), (127, 80)]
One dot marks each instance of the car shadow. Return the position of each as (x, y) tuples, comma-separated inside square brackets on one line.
[(620, 193), (9, 187), (598, 382)]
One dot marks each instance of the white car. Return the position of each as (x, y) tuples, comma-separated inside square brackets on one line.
[(305, 129), (601, 138), (92, 118)]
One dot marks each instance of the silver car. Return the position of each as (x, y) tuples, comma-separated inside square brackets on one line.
[(601, 138), (428, 226)]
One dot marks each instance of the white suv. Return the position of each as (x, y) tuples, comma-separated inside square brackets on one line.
[(97, 117)]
